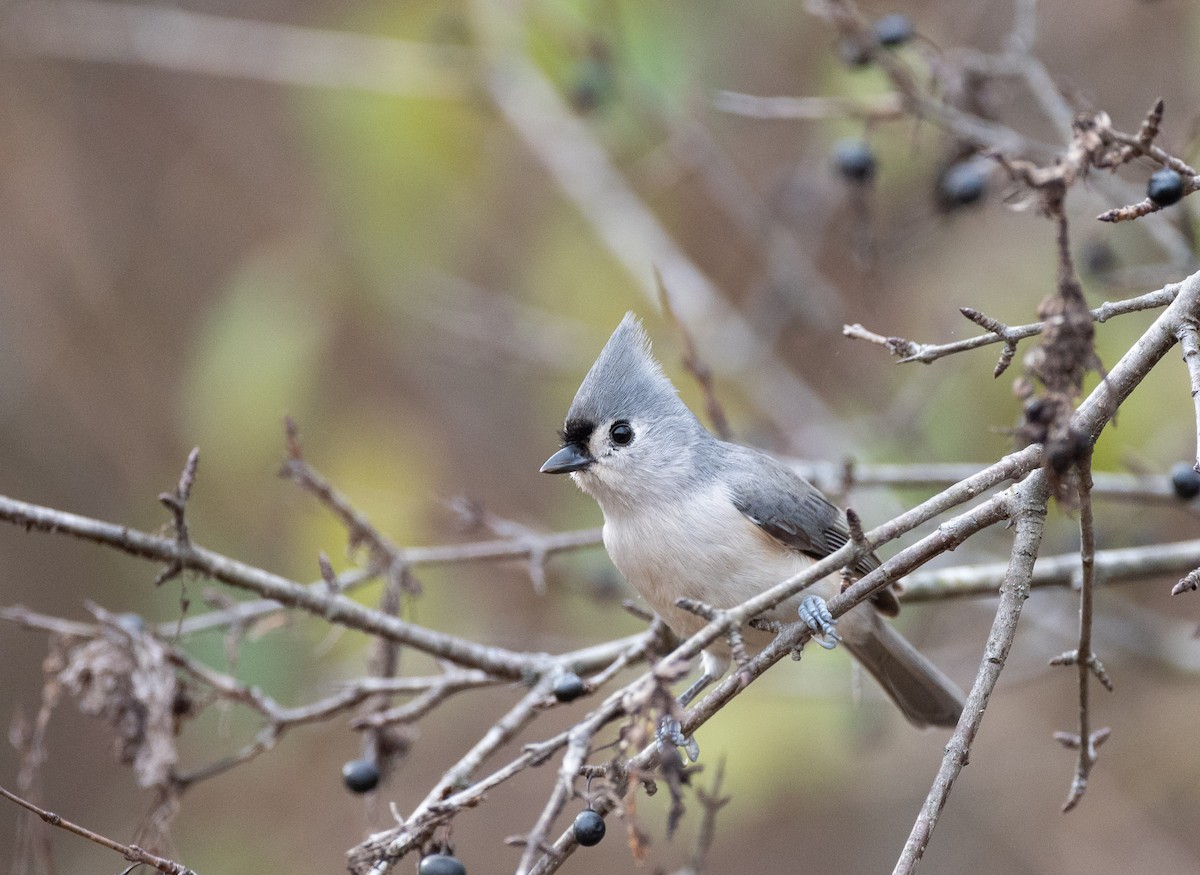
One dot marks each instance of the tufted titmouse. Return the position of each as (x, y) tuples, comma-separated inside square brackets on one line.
[(689, 516)]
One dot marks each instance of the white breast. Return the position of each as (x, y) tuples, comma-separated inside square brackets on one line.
[(703, 549)]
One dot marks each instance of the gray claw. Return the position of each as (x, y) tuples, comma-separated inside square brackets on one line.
[(815, 615), (671, 732)]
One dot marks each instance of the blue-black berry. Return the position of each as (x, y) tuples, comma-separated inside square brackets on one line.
[(893, 30), (1185, 481), (963, 183), (568, 687), (592, 86), (1165, 187), (360, 776), (853, 53), (441, 864), (1099, 258), (854, 160), (588, 828)]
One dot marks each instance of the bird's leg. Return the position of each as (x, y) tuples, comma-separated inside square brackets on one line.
[(669, 729), (695, 689), (815, 615)]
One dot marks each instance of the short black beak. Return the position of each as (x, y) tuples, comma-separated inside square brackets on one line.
[(569, 458)]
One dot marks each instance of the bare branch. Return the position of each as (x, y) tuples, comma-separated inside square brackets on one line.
[(1030, 514), (1083, 657), (333, 608), (883, 107), (1191, 357), (910, 351), (175, 39), (695, 365), (132, 853), (1111, 566)]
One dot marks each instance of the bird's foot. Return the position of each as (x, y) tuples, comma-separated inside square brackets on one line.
[(670, 732), (815, 615)]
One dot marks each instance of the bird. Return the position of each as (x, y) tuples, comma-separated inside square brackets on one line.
[(690, 516)]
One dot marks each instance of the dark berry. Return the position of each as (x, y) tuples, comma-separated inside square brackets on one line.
[(588, 828), (441, 864), (1185, 481), (1099, 258), (1165, 187), (854, 160), (568, 687), (963, 183), (893, 30), (592, 86), (360, 776), (853, 53)]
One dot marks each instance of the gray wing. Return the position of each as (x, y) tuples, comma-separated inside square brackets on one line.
[(794, 512)]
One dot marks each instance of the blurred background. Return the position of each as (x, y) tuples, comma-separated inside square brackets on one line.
[(411, 226)]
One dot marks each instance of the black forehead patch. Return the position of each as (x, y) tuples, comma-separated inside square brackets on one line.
[(577, 432)]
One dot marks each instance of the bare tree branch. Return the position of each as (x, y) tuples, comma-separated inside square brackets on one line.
[(132, 853), (1029, 511)]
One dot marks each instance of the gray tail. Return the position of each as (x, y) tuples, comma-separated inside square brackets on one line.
[(918, 687)]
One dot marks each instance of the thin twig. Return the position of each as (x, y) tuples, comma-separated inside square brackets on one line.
[(911, 351), (695, 365), (880, 108), (712, 801), (1083, 657), (334, 609), (1111, 566), (1029, 513), (132, 853), (177, 39), (1191, 357)]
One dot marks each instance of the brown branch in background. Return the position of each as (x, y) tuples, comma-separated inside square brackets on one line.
[(176, 502), (694, 364), (132, 853), (1083, 657), (712, 802), (1111, 566), (32, 840), (968, 127), (884, 107), (1029, 513), (177, 39), (948, 103), (386, 557)]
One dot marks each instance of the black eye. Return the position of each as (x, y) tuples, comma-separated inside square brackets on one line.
[(621, 433)]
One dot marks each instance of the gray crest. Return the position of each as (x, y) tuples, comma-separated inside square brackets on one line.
[(625, 381)]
